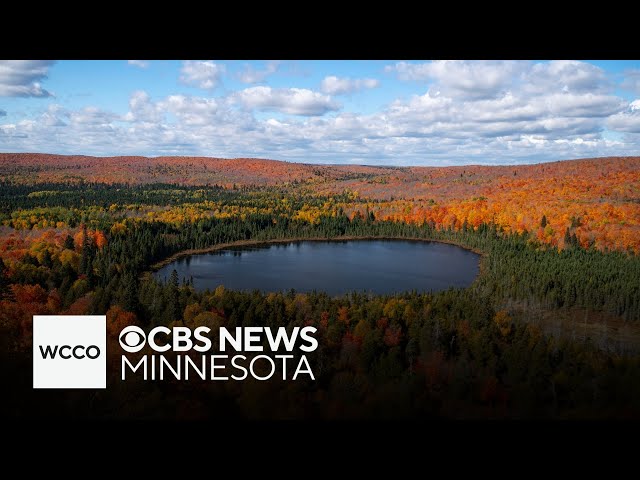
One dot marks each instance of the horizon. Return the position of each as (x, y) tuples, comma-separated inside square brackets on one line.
[(496, 165), (360, 112)]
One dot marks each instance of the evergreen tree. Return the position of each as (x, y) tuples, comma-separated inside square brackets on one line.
[(85, 257), (173, 297), (47, 261), (574, 240), (68, 242), (129, 297)]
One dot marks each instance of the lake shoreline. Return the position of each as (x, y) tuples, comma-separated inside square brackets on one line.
[(248, 243)]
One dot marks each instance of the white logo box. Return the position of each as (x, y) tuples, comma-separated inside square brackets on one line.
[(74, 339)]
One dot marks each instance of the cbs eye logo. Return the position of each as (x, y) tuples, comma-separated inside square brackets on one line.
[(132, 339)]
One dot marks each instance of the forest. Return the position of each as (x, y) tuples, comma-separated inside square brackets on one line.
[(549, 329)]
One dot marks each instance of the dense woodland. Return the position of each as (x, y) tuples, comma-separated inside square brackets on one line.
[(597, 200), (84, 245)]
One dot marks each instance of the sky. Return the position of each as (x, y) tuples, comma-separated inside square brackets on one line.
[(381, 112)]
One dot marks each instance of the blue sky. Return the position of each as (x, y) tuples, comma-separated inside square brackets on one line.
[(371, 112)]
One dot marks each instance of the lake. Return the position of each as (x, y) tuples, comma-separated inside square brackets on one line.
[(377, 266)]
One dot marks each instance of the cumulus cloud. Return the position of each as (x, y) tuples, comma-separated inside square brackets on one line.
[(567, 76), (205, 75), (21, 78), (139, 63), (54, 116), (339, 86), (627, 121), (473, 79), (581, 105), (491, 79), (295, 101), (93, 118), (141, 109), (251, 75), (192, 110)]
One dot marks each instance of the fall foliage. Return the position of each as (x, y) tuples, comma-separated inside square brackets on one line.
[(549, 329), (596, 200)]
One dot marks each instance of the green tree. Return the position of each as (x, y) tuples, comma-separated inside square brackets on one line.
[(88, 256), (130, 301), (68, 242), (173, 296)]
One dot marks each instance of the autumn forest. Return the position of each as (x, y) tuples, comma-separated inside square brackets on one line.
[(549, 329)]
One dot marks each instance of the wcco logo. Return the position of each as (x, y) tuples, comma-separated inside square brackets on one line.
[(69, 351), (73, 352)]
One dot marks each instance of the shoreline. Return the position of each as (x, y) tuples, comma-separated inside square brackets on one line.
[(247, 243)]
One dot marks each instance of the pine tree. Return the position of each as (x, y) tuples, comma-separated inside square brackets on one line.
[(173, 298), (130, 301), (68, 242), (173, 279), (574, 240), (47, 261), (85, 258)]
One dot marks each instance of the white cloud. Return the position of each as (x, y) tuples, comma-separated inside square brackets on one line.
[(21, 78), (139, 63), (205, 75), (192, 110), (627, 121), (252, 75), (473, 79), (295, 101), (581, 105), (338, 86), (93, 118), (141, 109), (54, 116), (492, 79), (568, 76)]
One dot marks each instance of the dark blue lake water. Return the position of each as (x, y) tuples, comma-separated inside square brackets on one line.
[(378, 266)]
